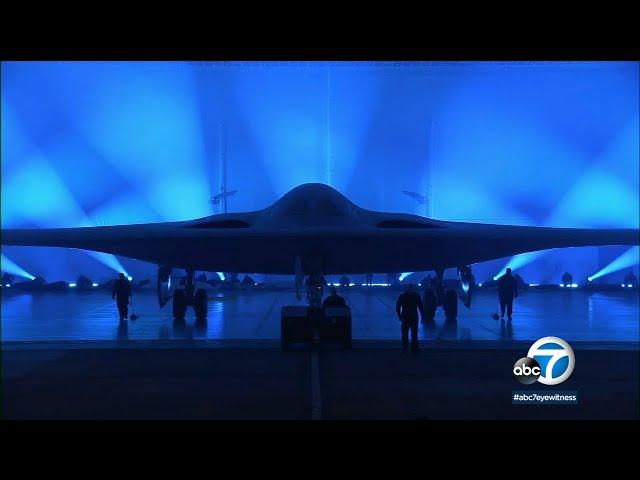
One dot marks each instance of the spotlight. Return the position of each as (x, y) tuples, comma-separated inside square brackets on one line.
[(129, 277), (562, 284), (94, 284), (479, 284), (622, 285), (12, 269), (574, 285), (72, 285), (627, 259), (629, 285), (534, 284), (404, 275), (7, 285)]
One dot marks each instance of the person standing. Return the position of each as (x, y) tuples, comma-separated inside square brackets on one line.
[(407, 307), (334, 300), (507, 291), (121, 294)]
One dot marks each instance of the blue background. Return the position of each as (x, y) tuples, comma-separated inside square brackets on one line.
[(93, 143)]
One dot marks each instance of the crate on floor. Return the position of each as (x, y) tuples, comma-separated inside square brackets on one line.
[(335, 326), (296, 326)]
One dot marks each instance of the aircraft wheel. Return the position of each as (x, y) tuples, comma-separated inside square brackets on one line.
[(179, 304), (430, 304), (450, 305), (200, 304)]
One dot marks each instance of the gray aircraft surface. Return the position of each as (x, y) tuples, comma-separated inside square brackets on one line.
[(315, 230)]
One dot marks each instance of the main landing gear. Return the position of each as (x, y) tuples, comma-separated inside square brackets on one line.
[(437, 296), (188, 296)]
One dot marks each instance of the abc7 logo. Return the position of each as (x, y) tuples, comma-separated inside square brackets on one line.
[(557, 352), (526, 371)]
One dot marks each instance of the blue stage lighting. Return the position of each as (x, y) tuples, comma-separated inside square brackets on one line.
[(7, 285), (94, 284), (8, 266), (404, 275), (129, 277), (519, 261), (146, 135), (221, 275), (72, 285), (109, 260), (627, 259)]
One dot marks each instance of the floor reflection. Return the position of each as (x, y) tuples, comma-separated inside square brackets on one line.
[(123, 331), (577, 315)]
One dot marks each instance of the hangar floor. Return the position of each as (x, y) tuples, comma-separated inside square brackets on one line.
[(65, 357), (255, 316)]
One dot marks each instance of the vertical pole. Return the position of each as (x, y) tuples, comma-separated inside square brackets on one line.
[(428, 201), (328, 136), (222, 143)]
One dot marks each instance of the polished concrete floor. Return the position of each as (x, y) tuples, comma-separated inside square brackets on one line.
[(65, 356), (266, 383), (255, 316)]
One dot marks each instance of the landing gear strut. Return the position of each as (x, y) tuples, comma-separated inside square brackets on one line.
[(437, 296), (314, 290), (468, 283), (189, 296)]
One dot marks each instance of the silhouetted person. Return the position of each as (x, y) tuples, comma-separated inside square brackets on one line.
[(407, 307), (334, 300), (567, 278), (121, 293), (507, 291)]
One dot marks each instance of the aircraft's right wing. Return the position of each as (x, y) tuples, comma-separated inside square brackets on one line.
[(475, 243)]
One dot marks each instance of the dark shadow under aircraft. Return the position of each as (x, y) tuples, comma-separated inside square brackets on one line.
[(315, 230)]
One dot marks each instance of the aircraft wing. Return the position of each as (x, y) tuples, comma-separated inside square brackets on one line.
[(315, 227), (234, 246), (472, 243)]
